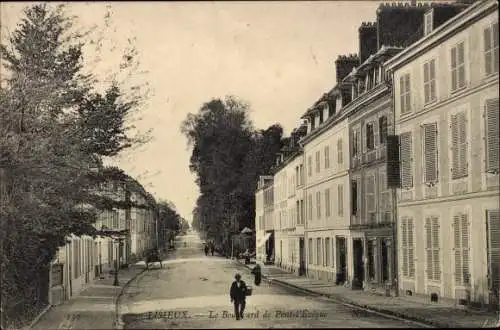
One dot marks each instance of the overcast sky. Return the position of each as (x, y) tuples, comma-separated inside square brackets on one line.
[(279, 56)]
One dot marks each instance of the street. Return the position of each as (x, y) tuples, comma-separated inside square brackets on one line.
[(192, 291)]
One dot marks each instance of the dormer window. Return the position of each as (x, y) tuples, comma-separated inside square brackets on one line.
[(428, 22), (326, 111)]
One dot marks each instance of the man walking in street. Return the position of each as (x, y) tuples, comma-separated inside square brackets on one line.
[(238, 294), (212, 248)]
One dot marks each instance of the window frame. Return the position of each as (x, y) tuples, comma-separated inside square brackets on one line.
[(494, 48), (405, 93), (429, 82), (428, 22), (455, 69)]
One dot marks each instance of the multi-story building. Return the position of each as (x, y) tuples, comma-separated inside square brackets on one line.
[(289, 205), (264, 225), (447, 119), (371, 207), (143, 221), (326, 149)]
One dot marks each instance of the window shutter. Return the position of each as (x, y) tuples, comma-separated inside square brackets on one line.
[(430, 153), (382, 129), (461, 66), (375, 134), (436, 267), (411, 255), (408, 92), (404, 231), (402, 90), (455, 170), (340, 189), (427, 92), (495, 47), (493, 223), (454, 68), (488, 54), (339, 151), (492, 131), (428, 248), (432, 84), (464, 219), (462, 140), (370, 193), (327, 157), (406, 160), (457, 249), (327, 202)]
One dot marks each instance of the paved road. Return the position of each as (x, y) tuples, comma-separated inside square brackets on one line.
[(191, 291)]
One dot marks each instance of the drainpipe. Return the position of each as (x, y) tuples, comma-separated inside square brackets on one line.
[(394, 204)]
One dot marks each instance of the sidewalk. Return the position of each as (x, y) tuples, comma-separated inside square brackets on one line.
[(93, 308), (412, 308)]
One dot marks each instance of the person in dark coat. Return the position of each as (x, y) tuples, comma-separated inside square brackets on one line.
[(258, 274), (238, 294), (212, 249), (206, 250)]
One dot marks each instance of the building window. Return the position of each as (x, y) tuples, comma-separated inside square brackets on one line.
[(355, 143), (309, 165), (458, 66), (327, 202), (301, 174), (297, 182), (491, 49), (318, 251), (370, 137), (430, 153), (459, 145), (340, 155), (340, 197), (311, 258), (461, 248), (370, 193), (318, 205), (428, 22), (327, 157), (492, 114), (382, 129), (317, 161), (406, 155), (432, 249), (327, 251), (115, 219), (430, 81), (302, 212), (407, 242), (354, 196), (405, 93), (309, 207)]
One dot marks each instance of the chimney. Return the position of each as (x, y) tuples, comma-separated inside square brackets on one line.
[(367, 40), (344, 65)]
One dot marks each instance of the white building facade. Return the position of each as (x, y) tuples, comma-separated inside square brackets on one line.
[(447, 119)]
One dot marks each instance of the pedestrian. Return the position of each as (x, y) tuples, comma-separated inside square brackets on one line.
[(206, 250), (238, 295), (212, 249), (258, 274)]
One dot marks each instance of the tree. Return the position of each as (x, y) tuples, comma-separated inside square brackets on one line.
[(54, 132), (228, 155)]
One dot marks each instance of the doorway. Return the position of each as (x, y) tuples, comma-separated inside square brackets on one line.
[(385, 261), (341, 248), (302, 261), (359, 271)]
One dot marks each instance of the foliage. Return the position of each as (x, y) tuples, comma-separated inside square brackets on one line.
[(228, 156), (55, 130)]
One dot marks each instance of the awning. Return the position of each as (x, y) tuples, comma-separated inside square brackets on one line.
[(263, 240)]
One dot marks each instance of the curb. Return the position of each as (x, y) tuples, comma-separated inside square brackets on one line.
[(118, 323), (343, 300), (38, 317)]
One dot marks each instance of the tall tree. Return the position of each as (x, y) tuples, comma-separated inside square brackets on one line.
[(54, 131)]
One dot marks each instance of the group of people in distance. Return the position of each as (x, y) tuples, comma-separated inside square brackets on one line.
[(209, 247)]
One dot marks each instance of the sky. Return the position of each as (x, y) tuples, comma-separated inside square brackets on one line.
[(278, 56)]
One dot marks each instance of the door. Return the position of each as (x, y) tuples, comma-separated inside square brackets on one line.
[(493, 247), (302, 261), (359, 272), (341, 260)]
